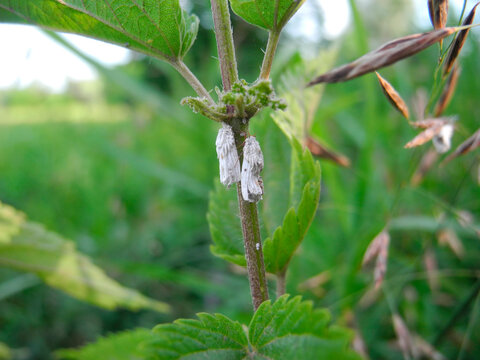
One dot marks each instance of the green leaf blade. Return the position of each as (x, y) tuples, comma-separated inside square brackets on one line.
[(292, 329), (29, 247), (225, 227), (158, 28), (120, 346), (210, 337), (268, 14), (304, 196), (284, 330)]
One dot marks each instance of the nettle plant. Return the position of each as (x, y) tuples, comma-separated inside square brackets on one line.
[(287, 328)]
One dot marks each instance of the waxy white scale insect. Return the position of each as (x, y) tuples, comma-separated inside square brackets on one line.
[(227, 156), (442, 141), (252, 185)]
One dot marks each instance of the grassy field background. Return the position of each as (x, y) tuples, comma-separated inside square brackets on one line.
[(130, 186)]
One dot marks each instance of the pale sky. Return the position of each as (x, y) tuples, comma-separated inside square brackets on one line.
[(29, 56)]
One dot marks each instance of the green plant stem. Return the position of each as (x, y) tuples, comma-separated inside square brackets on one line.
[(225, 46), (192, 80), (248, 211), (273, 38), (253, 250), (281, 284)]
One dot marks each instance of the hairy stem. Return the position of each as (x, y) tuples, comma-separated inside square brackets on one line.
[(225, 47), (272, 43), (252, 239), (248, 211), (192, 80), (253, 250), (281, 284)]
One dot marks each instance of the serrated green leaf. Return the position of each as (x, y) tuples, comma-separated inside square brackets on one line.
[(304, 196), (27, 246), (286, 329), (225, 227), (210, 337), (267, 14), (292, 329), (121, 346), (155, 27)]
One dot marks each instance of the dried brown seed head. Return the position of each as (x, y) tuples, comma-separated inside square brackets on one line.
[(373, 250), (440, 13), (393, 96), (438, 129), (321, 151), (468, 145), (459, 42), (430, 12), (387, 54), (428, 123), (424, 136), (448, 92)]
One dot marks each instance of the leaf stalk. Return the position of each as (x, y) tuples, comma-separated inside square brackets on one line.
[(273, 38), (192, 80)]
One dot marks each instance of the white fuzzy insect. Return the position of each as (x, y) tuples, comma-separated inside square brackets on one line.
[(442, 141), (227, 156), (251, 181)]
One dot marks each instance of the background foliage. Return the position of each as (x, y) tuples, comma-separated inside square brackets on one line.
[(129, 185)]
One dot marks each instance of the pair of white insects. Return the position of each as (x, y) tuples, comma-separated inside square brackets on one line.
[(249, 176)]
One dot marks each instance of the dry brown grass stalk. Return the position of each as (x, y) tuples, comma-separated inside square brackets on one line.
[(387, 54), (459, 42), (321, 151), (448, 92), (393, 96)]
